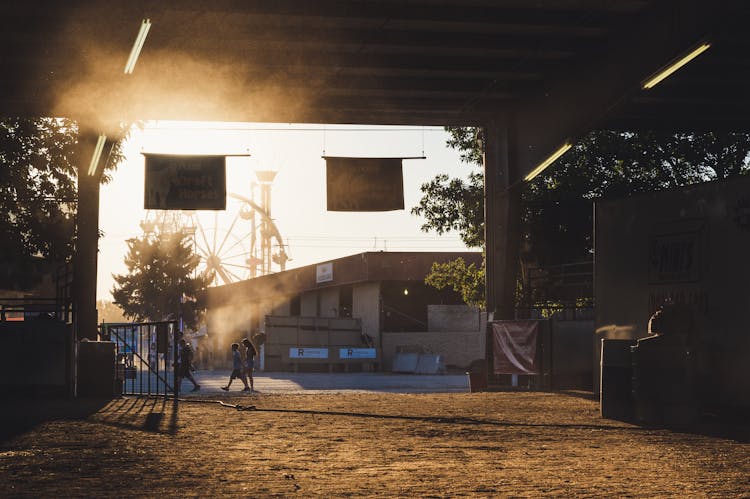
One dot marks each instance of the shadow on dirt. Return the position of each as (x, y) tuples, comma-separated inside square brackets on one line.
[(457, 420), (149, 414), (20, 415)]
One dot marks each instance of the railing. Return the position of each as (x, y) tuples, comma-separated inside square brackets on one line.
[(146, 356), (64, 292), (563, 287)]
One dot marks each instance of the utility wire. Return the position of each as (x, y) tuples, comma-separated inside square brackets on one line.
[(300, 129)]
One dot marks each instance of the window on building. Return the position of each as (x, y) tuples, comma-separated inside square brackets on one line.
[(345, 301), (295, 306)]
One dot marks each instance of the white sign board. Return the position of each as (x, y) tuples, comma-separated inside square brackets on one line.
[(357, 353), (308, 353), (324, 272)]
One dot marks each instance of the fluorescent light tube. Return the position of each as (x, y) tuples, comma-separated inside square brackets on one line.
[(97, 154), (137, 46), (551, 159), (671, 68)]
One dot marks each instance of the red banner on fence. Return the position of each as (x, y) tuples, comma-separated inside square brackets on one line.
[(515, 347)]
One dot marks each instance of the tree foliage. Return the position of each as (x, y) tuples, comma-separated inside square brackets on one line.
[(161, 271), (557, 206), (109, 312), (38, 187), (455, 204), (468, 280)]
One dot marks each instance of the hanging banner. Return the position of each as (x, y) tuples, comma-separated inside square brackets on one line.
[(364, 184), (515, 347), (175, 182)]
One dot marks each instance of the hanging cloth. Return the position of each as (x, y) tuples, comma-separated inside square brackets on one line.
[(364, 184), (181, 182)]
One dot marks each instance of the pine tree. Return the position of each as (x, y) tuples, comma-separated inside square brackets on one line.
[(161, 273)]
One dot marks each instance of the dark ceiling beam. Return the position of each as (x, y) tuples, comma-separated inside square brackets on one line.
[(413, 93), (569, 18), (618, 6), (283, 59), (582, 98), (675, 121), (386, 36), (463, 85), (201, 33), (572, 20)]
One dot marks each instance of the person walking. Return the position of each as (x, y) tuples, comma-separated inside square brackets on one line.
[(238, 370), (250, 354), (185, 364)]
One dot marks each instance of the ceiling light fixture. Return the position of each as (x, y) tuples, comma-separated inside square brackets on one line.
[(670, 68), (551, 159), (137, 46), (97, 154)]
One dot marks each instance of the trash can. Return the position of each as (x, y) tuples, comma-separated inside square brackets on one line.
[(664, 382), (477, 374), (615, 386)]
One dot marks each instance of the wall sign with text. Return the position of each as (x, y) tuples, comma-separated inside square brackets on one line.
[(308, 353)]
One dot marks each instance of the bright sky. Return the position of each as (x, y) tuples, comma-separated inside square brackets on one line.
[(298, 193)]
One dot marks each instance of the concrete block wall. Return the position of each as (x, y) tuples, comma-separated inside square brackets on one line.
[(36, 357), (458, 348), (441, 318)]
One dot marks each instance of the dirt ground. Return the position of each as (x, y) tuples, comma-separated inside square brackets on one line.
[(357, 444)]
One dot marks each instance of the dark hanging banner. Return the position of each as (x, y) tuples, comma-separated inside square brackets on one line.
[(185, 182), (364, 184)]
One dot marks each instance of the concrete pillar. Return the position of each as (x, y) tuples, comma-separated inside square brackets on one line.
[(502, 219), (87, 237)]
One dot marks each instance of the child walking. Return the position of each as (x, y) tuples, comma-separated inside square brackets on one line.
[(237, 369)]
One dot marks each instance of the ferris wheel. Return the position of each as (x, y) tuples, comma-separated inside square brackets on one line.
[(237, 244)]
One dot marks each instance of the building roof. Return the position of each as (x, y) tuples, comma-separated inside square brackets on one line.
[(360, 268)]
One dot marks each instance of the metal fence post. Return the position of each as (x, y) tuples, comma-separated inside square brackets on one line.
[(175, 346)]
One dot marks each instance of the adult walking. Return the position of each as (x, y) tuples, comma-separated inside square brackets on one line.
[(185, 364), (250, 354)]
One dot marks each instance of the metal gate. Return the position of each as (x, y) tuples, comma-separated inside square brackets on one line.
[(147, 354)]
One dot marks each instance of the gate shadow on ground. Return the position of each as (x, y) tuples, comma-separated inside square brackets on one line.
[(150, 414), (20, 415), (156, 415)]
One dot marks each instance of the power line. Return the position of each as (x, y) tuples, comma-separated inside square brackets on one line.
[(297, 129), (388, 244), (371, 238)]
